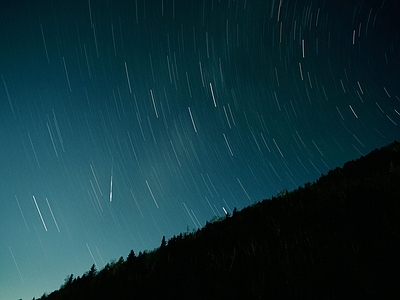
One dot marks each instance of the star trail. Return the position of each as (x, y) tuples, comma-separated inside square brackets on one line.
[(123, 121)]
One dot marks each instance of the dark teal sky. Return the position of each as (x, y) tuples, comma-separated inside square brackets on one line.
[(123, 122)]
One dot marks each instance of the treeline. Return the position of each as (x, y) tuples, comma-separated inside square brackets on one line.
[(336, 238)]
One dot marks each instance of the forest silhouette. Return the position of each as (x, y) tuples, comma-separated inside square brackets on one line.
[(336, 238)]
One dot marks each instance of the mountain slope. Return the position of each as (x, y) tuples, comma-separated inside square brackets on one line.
[(338, 237)]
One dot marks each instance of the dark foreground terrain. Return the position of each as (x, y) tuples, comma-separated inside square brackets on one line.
[(336, 238)]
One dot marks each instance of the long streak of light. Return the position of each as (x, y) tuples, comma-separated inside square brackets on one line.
[(227, 144), (52, 140), (279, 10), (154, 199), (154, 103), (359, 86), (66, 74), (113, 38), (95, 194), (40, 214), (58, 130), (391, 120), (276, 173), (134, 152), (111, 187), (301, 72), (214, 213), (101, 258), (188, 84), (91, 254), (337, 108), (8, 96), (352, 110), (112, 169), (90, 14), (95, 40), (19, 206), (213, 96), (87, 61), (225, 211), (226, 116), (244, 190), (176, 156), (191, 117), (197, 220), (95, 178), (127, 77), (93, 204), (230, 210), (277, 147), (265, 143), (206, 185), (212, 184), (34, 151), (137, 205), (44, 42), (15, 261), (317, 148), (387, 93), (201, 74), (51, 211), (230, 112), (184, 204)]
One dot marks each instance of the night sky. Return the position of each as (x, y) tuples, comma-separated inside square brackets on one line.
[(123, 121)]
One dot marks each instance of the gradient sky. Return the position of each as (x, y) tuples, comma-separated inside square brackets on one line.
[(123, 121)]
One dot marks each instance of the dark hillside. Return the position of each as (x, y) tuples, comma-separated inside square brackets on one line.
[(336, 238)]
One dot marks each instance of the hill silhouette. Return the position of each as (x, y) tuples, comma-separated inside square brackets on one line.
[(336, 238)]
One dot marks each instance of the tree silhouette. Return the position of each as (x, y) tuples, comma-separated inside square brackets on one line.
[(336, 238), (163, 242)]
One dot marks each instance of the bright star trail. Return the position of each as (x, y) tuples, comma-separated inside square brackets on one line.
[(130, 120)]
